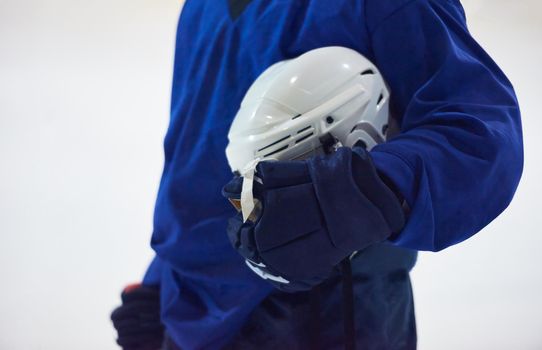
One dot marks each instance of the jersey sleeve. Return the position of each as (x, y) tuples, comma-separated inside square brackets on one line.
[(458, 157), (153, 274)]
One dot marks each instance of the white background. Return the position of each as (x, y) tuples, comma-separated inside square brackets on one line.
[(84, 100)]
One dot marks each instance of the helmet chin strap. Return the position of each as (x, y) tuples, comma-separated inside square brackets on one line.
[(248, 202)]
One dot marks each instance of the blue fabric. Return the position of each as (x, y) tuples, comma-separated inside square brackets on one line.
[(457, 159), (314, 215), (153, 274)]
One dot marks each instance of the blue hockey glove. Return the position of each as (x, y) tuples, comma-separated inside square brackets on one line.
[(315, 213)]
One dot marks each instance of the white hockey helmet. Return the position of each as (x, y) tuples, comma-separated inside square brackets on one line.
[(296, 106)]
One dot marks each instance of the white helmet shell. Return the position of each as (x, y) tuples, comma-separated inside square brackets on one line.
[(294, 103)]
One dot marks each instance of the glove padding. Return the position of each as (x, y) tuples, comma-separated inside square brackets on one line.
[(315, 213), (137, 320)]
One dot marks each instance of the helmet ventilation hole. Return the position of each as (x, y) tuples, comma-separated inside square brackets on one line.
[(277, 151), (274, 143), (304, 138), (304, 129)]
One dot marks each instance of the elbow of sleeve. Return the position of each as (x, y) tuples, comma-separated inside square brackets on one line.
[(496, 185), (508, 169), (487, 197)]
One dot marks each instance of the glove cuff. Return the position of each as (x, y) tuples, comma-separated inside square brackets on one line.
[(374, 186), (359, 209)]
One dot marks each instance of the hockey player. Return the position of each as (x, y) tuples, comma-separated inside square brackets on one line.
[(456, 162)]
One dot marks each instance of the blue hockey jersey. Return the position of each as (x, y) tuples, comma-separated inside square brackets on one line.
[(457, 158)]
